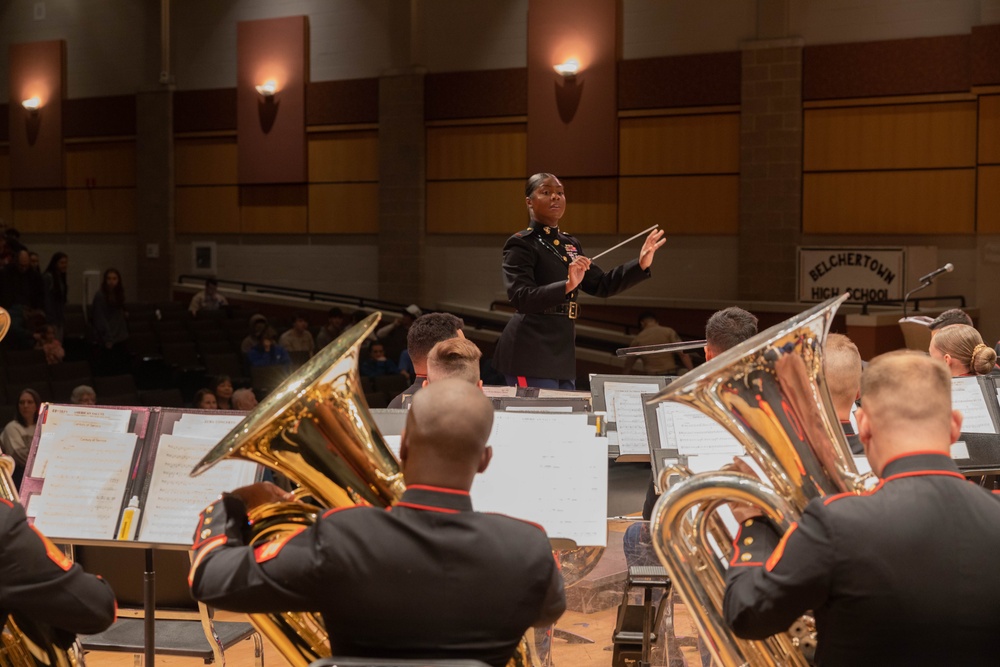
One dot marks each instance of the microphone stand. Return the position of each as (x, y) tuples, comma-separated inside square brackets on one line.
[(923, 285)]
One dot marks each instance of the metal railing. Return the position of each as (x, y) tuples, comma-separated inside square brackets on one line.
[(298, 293), (915, 301)]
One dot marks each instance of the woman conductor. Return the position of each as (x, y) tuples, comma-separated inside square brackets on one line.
[(543, 270)]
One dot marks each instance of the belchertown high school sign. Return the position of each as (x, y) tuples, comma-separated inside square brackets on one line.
[(867, 274)]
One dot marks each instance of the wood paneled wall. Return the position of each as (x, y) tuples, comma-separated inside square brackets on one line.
[(340, 197), (891, 168), (988, 201)]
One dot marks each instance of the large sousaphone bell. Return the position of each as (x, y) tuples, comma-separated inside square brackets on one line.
[(770, 393), (315, 429)]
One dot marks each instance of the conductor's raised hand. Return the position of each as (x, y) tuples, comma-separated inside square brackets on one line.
[(577, 268), (653, 242), (261, 493)]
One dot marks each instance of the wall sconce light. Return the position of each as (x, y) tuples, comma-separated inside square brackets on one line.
[(268, 88), (568, 69), (32, 104)]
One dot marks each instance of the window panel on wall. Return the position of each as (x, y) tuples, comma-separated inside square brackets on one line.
[(108, 211), (39, 211), (339, 157), (476, 151), (904, 136), (694, 144), (680, 204), (100, 164), (343, 208), (205, 161), (890, 202), (207, 210), (274, 209), (989, 129)]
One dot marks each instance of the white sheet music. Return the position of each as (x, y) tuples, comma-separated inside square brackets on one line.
[(549, 469), (614, 389), (630, 424), (492, 391), (175, 499), (207, 427), (967, 397), (84, 485), (76, 417), (692, 433)]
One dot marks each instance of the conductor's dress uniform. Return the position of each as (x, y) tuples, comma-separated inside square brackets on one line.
[(37, 581), (427, 579), (539, 341), (907, 574)]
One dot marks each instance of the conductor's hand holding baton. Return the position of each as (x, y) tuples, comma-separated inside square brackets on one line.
[(653, 242), (577, 268)]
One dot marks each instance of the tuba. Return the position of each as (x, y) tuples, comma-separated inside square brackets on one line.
[(770, 393), (317, 430)]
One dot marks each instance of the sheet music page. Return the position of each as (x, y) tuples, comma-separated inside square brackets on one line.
[(692, 433), (393, 442), (87, 418), (630, 424), (208, 427), (550, 469), (967, 397), (614, 389), (175, 499), (562, 393), (538, 408), (84, 486), (492, 391)]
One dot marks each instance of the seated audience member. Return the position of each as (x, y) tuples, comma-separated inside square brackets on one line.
[(83, 395), (949, 317), (905, 574), (454, 358), (651, 332), (267, 352), (39, 583), (50, 345), (961, 348), (425, 332), (377, 363), (204, 399), (223, 390), (244, 399), (54, 280), (842, 368), (208, 299), (394, 335), (298, 338), (258, 325), (35, 262), (332, 329), (20, 285), (16, 437), (109, 321), (428, 553)]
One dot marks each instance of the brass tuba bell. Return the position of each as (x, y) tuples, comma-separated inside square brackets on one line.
[(770, 393)]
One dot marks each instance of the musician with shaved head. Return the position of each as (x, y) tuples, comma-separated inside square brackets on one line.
[(428, 579), (842, 370), (905, 574)]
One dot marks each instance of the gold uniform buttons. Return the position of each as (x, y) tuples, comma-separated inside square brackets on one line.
[(565, 258), (556, 242), (745, 557), (548, 230), (748, 541), (748, 523), (205, 533)]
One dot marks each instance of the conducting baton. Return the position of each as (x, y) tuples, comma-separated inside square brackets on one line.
[(656, 349), (628, 240)]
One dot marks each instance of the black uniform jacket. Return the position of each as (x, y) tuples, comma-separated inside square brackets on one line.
[(535, 261), (38, 582), (907, 574), (428, 578), (397, 402)]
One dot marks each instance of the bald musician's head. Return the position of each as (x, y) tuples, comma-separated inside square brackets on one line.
[(906, 407), (842, 368), (444, 442)]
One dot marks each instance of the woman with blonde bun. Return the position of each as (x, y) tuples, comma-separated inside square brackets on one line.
[(963, 350)]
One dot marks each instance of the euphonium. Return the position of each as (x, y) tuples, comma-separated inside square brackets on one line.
[(770, 393), (317, 430)]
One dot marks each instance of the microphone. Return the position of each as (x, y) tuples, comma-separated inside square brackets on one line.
[(947, 268)]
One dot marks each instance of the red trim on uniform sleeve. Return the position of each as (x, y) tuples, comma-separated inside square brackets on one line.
[(439, 489), (53, 552), (6, 502), (522, 381), (779, 550), (338, 509), (428, 508), (997, 491), (269, 550), (209, 545)]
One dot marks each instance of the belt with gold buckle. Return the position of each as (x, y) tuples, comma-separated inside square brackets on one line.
[(570, 310)]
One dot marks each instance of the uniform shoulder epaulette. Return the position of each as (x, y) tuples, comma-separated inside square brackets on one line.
[(524, 233)]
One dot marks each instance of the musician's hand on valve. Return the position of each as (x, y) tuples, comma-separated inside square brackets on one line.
[(261, 493), (743, 511), (653, 242), (577, 268)]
